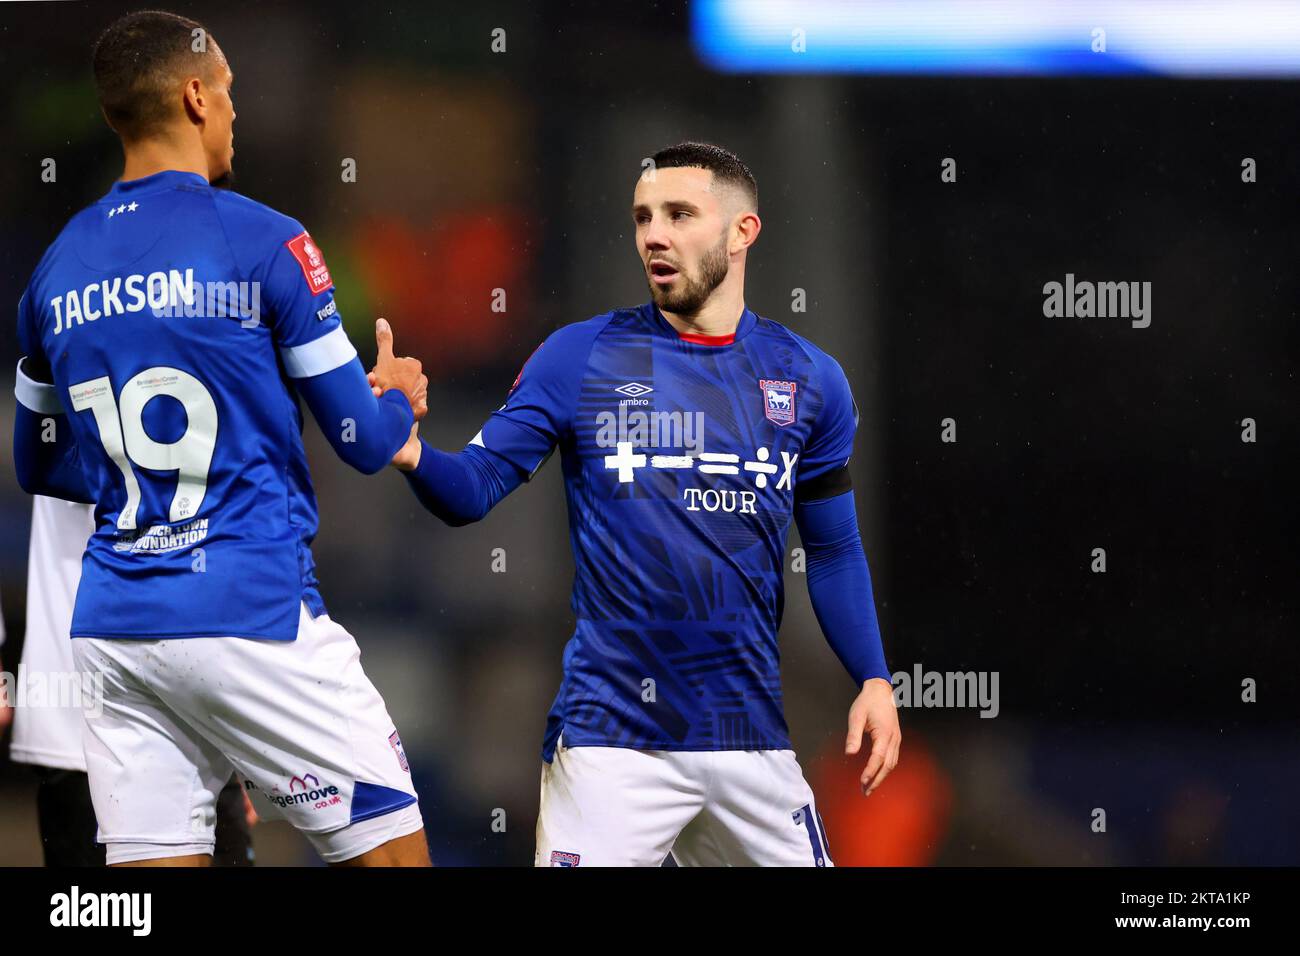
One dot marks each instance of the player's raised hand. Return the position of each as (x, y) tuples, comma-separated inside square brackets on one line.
[(403, 374), (875, 713), (408, 456)]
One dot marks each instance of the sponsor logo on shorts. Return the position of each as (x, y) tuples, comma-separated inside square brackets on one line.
[(560, 858), (306, 790)]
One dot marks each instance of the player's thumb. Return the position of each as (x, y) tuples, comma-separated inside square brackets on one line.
[(384, 339)]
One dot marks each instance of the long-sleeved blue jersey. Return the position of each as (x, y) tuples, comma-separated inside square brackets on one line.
[(163, 330), (683, 464)]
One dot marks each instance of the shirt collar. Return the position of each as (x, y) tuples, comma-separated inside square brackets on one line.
[(167, 179), (747, 322)]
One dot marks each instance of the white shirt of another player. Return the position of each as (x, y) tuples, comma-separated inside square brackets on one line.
[(49, 736)]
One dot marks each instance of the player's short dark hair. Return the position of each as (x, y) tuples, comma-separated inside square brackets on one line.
[(138, 62), (725, 165)]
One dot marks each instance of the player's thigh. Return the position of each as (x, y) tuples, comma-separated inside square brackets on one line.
[(409, 850), (153, 780), (611, 806), (761, 812), (301, 721)]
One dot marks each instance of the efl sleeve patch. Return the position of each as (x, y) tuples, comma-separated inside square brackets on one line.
[(312, 261)]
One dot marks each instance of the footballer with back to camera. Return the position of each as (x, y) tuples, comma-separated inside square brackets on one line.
[(667, 735), (179, 419)]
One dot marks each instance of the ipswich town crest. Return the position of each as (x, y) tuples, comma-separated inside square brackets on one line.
[(396, 742), (778, 401)]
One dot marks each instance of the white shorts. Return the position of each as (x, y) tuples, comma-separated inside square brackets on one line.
[(298, 720), (610, 806)]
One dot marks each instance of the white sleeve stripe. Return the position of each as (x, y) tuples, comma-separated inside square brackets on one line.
[(36, 396), (332, 350)]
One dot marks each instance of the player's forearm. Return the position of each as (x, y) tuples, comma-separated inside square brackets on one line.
[(45, 452), (839, 583), (458, 488), (366, 432)]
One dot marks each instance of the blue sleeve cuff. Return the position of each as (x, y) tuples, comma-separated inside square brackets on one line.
[(39, 397), (364, 431)]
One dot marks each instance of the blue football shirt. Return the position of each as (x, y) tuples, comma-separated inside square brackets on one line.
[(174, 317), (681, 462)]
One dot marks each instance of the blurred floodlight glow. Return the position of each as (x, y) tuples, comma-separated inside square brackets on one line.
[(1013, 37)]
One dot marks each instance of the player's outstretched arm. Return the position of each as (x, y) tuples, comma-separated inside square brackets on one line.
[(363, 428), (462, 487), (457, 488), (839, 583), (45, 452)]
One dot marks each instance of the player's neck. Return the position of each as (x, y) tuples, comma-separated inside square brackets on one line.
[(157, 155), (719, 316)]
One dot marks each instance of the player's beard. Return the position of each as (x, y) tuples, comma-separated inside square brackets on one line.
[(225, 181), (689, 293)]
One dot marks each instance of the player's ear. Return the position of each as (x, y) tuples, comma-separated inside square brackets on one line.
[(745, 230), (108, 122), (196, 100)]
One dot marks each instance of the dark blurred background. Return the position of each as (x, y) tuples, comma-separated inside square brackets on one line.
[(481, 170)]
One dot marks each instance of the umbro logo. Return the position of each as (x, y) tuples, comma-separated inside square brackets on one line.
[(634, 389)]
